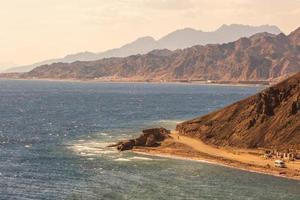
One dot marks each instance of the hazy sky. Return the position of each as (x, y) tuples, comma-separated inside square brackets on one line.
[(34, 30)]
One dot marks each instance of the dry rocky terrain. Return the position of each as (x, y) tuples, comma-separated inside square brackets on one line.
[(269, 119), (261, 57)]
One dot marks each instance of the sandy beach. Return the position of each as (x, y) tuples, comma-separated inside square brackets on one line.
[(182, 147)]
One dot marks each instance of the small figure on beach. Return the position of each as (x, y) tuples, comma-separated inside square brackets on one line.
[(178, 137)]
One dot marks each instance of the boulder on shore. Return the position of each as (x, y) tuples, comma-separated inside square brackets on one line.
[(149, 138)]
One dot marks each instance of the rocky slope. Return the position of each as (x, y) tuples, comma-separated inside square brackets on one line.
[(263, 56), (175, 40), (270, 119)]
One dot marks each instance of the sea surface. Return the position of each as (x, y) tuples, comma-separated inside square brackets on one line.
[(53, 138)]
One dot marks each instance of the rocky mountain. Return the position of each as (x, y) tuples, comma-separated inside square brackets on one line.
[(176, 40), (270, 119), (188, 37), (261, 57)]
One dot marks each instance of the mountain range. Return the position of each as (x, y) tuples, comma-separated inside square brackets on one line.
[(269, 119), (178, 39), (261, 57)]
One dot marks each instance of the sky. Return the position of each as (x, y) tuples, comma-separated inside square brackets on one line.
[(36, 30)]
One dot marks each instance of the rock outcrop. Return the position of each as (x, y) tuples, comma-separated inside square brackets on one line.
[(262, 57), (270, 119), (149, 138)]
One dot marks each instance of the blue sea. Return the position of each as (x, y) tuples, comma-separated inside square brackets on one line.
[(53, 138)]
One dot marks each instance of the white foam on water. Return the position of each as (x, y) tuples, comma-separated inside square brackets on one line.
[(122, 160), (140, 158), (108, 151), (91, 148), (135, 158), (103, 134), (87, 154)]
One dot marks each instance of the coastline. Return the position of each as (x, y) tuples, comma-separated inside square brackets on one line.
[(232, 84), (173, 149), (170, 156)]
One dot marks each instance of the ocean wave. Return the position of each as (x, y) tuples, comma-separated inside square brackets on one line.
[(122, 160), (134, 158), (91, 148), (140, 158), (28, 146), (103, 134)]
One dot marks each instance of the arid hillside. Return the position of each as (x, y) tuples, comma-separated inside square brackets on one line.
[(263, 56), (268, 119)]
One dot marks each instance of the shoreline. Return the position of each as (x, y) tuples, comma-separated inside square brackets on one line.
[(233, 84), (176, 157), (192, 149)]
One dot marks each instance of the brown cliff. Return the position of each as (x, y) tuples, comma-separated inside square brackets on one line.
[(269, 119)]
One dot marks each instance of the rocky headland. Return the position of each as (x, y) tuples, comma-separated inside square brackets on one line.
[(242, 135)]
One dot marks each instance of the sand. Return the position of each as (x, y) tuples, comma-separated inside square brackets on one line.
[(179, 146)]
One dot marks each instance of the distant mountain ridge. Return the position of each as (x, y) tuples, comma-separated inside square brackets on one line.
[(178, 39), (261, 57)]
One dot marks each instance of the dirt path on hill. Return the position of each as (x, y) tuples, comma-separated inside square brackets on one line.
[(240, 155)]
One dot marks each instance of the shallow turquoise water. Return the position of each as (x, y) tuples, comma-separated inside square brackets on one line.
[(53, 139)]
